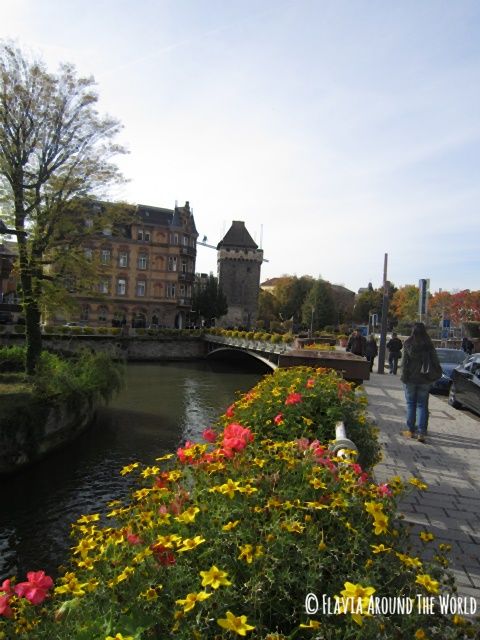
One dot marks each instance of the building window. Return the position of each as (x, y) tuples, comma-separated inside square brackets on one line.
[(84, 313), (185, 241), (141, 287), (89, 223), (121, 286), (170, 290), (88, 253), (103, 286), (123, 259), (140, 234), (142, 261), (105, 256), (102, 314), (147, 236), (182, 290), (172, 263), (184, 266)]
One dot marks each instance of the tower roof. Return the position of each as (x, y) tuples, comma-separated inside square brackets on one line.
[(237, 236)]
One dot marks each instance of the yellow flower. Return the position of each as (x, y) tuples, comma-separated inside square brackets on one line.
[(214, 577), (426, 581), (150, 471), (380, 523), (248, 552), (119, 636), (190, 543), (188, 515), (459, 620), (420, 635), (355, 597), (191, 600), (83, 547), (71, 585), (409, 561), (128, 468), (380, 548), (318, 484), (292, 527), (237, 624), (312, 624), (150, 593), (230, 525), (426, 536), (418, 483), (167, 456), (86, 519), (374, 508), (228, 488)]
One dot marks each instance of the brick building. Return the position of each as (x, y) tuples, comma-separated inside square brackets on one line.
[(146, 272)]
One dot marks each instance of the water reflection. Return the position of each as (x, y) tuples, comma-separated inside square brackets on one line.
[(163, 404)]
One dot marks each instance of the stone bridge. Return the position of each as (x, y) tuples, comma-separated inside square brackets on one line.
[(353, 368)]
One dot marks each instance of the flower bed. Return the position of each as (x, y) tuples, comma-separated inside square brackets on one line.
[(237, 535)]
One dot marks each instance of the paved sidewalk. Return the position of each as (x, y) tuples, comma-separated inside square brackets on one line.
[(449, 463)]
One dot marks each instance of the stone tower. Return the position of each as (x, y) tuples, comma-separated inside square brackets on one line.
[(239, 260)]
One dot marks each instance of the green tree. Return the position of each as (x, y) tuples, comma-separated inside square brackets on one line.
[(291, 293), (55, 149), (367, 302), (268, 308), (210, 302), (320, 302), (404, 303)]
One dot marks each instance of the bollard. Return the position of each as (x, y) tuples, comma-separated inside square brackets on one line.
[(342, 443)]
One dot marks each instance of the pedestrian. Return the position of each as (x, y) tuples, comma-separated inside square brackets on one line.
[(394, 346), (357, 343), (371, 350), (420, 368), (467, 346)]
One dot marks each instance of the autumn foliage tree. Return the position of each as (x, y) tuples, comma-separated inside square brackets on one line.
[(55, 149)]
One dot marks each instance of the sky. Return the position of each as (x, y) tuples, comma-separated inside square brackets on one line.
[(339, 131)]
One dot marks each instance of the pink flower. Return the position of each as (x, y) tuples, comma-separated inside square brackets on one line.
[(302, 444), (36, 588), (278, 419), (5, 609), (235, 438), (133, 539), (209, 435), (293, 398), (357, 468), (384, 490), (230, 411), (6, 587)]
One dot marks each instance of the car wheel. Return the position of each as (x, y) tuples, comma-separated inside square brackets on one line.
[(452, 398)]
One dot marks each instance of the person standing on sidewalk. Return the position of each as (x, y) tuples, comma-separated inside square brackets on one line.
[(420, 368), (371, 350), (394, 346), (357, 343)]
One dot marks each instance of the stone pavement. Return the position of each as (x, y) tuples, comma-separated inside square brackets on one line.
[(449, 463)]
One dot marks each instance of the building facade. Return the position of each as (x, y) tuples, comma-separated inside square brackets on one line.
[(239, 261), (146, 274)]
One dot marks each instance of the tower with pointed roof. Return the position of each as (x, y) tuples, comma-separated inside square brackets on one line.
[(239, 260)]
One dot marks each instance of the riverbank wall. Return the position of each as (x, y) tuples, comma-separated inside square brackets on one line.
[(37, 428), (134, 349)]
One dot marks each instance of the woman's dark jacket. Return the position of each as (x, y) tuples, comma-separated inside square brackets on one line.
[(420, 364)]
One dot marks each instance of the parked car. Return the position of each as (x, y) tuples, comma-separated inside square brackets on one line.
[(465, 387), (449, 359)]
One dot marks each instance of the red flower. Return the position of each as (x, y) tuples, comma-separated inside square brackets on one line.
[(185, 457), (163, 555), (384, 490), (235, 438), (230, 411), (5, 609), (278, 419), (132, 538), (6, 587), (36, 588), (342, 389), (209, 435), (310, 383), (293, 398), (302, 444)]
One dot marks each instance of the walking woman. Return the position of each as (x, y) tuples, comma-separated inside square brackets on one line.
[(420, 368), (371, 350)]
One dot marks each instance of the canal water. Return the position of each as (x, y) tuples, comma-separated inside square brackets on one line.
[(163, 404)]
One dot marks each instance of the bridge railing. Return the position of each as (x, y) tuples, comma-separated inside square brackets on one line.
[(251, 345)]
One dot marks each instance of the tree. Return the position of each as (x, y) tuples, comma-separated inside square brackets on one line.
[(368, 302), (268, 307), (210, 302), (319, 307), (404, 303), (291, 293), (55, 151)]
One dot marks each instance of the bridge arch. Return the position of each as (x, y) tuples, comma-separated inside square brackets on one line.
[(229, 353)]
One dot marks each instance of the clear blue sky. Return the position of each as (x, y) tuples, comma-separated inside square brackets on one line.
[(346, 129)]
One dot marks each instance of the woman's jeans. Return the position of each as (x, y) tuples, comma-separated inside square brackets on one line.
[(416, 396)]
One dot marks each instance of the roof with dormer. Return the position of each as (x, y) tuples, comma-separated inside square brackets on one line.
[(238, 236)]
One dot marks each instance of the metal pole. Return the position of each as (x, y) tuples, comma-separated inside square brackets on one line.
[(383, 326)]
